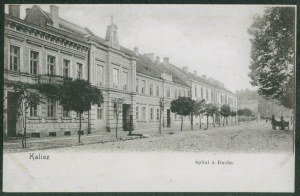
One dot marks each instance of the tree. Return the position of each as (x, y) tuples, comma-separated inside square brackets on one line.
[(199, 108), (118, 103), (26, 99), (273, 54), (161, 107), (240, 112), (247, 112), (233, 114), (182, 106), (210, 110), (78, 95), (225, 112)]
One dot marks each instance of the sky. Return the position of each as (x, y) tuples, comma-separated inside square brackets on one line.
[(211, 39)]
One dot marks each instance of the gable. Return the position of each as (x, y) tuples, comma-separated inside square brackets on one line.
[(36, 16)]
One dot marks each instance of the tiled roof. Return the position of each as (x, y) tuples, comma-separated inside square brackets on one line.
[(148, 67), (196, 78), (68, 26)]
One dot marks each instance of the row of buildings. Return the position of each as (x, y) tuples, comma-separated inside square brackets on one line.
[(43, 46)]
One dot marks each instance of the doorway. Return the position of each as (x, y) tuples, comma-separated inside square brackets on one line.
[(11, 114), (126, 116), (168, 118)]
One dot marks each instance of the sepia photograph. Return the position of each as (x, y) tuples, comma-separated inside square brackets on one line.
[(149, 98)]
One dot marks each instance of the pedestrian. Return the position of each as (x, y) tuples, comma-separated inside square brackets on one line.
[(267, 119)]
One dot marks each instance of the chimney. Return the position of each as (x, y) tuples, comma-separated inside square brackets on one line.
[(195, 72), (150, 56), (27, 11), (14, 10), (204, 76), (185, 69), (157, 60), (54, 11), (166, 60), (136, 51)]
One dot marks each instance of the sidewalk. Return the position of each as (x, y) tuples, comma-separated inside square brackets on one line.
[(68, 141)]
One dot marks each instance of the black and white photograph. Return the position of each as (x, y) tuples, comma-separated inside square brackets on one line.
[(149, 98)]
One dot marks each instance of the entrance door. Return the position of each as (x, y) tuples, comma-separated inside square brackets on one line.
[(168, 118), (126, 117), (11, 114)]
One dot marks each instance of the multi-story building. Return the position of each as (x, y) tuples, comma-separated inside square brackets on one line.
[(44, 47)]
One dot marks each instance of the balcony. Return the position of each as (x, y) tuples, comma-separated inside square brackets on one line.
[(49, 78)]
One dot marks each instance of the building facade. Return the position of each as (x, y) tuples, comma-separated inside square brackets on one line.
[(44, 47)]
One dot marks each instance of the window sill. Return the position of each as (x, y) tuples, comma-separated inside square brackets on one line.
[(66, 118), (34, 118), (51, 118)]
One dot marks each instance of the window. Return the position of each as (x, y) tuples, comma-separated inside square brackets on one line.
[(79, 71), (175, 93), (206, 94), (143, 86), (157, 90), (99, 76), (66, 68), (184, 93), (137, 85), (143, 113), (125, 87), (51, 107), (212, 95), (66, 113), (51, 65), (175, 116), (34, 61), (195, 91), (99, 113), (151, 114), (179, 94), (157, 114), (201, 92), (168, 91), (115, 78), (151, 89), (14, 57), (137, 113), (33, 110), (226, 99)]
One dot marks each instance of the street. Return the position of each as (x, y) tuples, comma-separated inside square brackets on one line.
[(250, 137)]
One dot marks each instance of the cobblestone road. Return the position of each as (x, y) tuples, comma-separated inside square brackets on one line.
[(246, 137)]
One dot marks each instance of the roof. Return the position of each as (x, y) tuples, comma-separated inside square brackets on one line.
[(189, 75), (148, 67), (66, 25)]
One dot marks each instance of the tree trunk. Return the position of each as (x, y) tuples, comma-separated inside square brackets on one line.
[(117, 119), (219, 120), (200, 116), (79, 132), (24, 134), (181, 122), (213, 120), (234, 120), (192, 120), (223, 121), (159, 121), (206, 121)]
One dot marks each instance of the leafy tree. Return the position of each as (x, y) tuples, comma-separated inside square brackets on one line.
[(273, 54), (161, 109), (240, 112), (225, 112), (247, 112), (210, 110), (233, 114), (78, 95), (26, 99), (118, 103), (182, 106), (199, 108)]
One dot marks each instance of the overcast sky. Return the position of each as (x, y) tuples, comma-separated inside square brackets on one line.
[(210, 39)]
